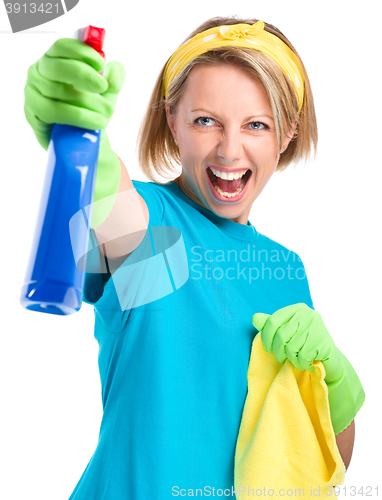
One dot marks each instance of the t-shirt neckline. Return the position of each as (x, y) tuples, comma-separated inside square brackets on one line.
[(247, 232)]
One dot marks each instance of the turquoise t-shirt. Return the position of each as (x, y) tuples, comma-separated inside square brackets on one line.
[(174, 328)]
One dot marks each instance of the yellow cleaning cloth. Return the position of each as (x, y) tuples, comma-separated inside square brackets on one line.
[(286, 439)]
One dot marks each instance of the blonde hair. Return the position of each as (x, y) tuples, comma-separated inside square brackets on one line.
[(156, 146)]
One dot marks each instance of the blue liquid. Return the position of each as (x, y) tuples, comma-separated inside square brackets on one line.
[(54, 278)]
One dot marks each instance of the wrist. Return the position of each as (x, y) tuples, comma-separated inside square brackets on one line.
[(108, 170), (334, 366), (345, 392)]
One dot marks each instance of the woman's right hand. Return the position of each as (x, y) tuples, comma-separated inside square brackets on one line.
[(65, 87)]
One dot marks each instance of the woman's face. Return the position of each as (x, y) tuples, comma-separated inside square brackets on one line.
[(224, 127)]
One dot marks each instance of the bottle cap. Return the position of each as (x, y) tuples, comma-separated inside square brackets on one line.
[(94, 37)]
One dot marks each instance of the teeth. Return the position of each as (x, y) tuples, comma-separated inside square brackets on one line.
[(229, 195), (229, 176)]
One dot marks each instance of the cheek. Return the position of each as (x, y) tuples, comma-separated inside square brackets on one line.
[(193, 147), (265, 152)]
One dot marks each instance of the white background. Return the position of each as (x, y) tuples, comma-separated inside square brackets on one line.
[(327, 211)]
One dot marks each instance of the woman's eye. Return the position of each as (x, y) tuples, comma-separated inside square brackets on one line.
[(259, 126), (206, 121), (202, 120)]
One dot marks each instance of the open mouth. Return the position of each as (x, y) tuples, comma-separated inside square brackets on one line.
[(229, 188)]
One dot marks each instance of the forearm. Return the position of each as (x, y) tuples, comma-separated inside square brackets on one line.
[(345, 443), (125, 227)]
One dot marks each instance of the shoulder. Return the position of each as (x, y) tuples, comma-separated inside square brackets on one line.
[(146, 188), (157, 191), (151, 187)]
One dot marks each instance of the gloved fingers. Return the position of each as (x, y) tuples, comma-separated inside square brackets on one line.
[(283, 337), (41, 130), (298, 333), (305, 360), (73, 72), (64, 113), (273, 324), (67, 93), (299, 352), (259, 320), (55, 91), (319, 349), (70, 48), (268, 325), (115, 75), (280, 316), (269, 333)]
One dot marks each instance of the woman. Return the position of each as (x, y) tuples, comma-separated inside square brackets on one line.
[(189, 270)]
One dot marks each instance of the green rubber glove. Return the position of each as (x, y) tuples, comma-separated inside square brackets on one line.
[(65, 87), (298, 333)]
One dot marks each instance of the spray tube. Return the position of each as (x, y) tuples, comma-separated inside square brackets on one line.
[(54, 280)]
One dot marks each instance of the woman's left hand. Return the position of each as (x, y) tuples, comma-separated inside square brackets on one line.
[(298, 333)]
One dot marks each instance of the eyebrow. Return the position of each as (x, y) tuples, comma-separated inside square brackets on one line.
[(249, 118)]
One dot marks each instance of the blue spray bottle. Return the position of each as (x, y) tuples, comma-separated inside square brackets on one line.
[(55, 274)]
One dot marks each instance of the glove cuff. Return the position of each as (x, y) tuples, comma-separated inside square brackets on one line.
[(107, 182), (346, 396)]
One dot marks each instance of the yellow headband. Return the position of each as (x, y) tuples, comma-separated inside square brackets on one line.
[(238, 35)]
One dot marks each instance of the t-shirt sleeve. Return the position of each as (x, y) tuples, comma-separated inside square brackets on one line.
[(102, 287), (154, 201)]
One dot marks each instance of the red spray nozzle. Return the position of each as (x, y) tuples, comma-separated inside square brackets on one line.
[(94, 37)]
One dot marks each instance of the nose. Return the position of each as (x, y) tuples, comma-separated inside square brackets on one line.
[(230, 146)]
